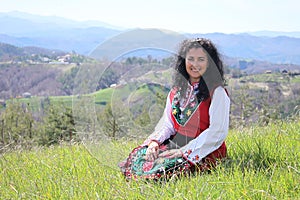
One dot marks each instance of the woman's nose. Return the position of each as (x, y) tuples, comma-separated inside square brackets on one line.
[(195, 63)]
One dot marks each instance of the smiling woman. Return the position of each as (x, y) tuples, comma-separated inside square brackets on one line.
[(190, 136), (196, 63)]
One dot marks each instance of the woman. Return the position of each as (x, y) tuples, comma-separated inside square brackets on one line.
[(191, 134)]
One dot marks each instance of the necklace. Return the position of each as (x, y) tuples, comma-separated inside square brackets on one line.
[(183, 108)]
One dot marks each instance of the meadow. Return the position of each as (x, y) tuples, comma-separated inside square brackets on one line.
[(263, 163)]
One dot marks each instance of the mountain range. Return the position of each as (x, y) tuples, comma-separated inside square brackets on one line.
[(99, 39)]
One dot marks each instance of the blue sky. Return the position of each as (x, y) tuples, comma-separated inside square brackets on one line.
[(193, 16)]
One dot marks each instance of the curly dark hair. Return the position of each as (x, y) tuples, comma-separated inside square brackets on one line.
[(214, 75)]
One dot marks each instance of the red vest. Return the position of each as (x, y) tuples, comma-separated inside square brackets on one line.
[(197, 123)]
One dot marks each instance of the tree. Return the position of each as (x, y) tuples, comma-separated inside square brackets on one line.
[(67, 80), (17, 124), (111, 122), (59, 125), (242, 105)]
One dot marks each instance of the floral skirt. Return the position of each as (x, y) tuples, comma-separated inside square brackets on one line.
[(137, 167)]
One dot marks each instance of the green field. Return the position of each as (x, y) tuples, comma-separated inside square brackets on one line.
[(263, 163), (99, 98)]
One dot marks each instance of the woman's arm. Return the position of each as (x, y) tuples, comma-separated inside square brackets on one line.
[(164, 128), (212, 138)]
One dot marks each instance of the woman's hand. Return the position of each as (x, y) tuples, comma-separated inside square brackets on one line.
[(173, 153), (152, 151)]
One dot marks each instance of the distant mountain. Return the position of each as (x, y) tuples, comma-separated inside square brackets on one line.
[(139, 41), (23, 29), (146, 49), (24, 24), (9, 52), (281, 49), (278, 50), (99, 39), (295, 34)]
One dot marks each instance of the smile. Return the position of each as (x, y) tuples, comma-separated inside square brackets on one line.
[(195, 69)]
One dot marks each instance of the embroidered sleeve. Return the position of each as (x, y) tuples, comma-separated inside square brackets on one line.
[(212, 138), (165, 127)]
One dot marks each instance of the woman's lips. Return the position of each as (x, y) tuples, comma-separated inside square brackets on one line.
[(195, 69)]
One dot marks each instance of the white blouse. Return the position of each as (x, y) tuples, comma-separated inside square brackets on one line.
[(210, 139)]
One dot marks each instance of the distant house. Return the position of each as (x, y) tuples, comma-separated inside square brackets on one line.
[(284, 71), (64, 59), (45, 59), (268, 72), (2, 102), (26, 95)]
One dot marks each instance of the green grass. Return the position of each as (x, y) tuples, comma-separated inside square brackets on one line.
[(100, 98), (296, 79), (263, 163)]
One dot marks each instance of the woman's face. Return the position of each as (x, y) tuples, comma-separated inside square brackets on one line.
[(196, 63)]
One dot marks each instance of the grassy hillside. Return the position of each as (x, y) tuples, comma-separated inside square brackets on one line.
[(263, 163), (103, 96)]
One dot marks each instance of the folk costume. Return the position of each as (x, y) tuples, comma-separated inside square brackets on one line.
[(197, 127)]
